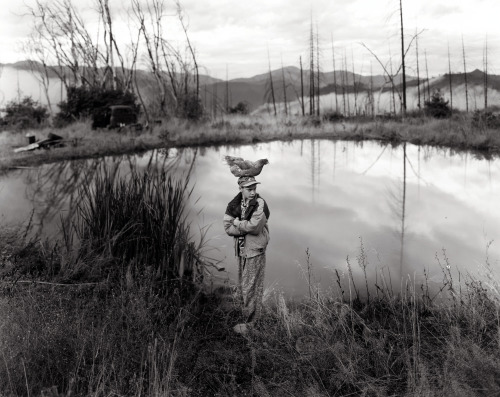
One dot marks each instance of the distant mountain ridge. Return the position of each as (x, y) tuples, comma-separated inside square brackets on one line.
[(255, 91)]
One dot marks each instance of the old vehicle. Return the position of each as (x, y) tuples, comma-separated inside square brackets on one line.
[(116, 116)]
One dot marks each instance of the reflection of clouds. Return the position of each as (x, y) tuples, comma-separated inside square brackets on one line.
[(348, 205)]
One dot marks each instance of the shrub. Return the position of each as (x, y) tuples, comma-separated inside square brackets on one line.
[(485, 119), (190, 107), (333, 116), (240, 108), (26, 113), (437, 107)]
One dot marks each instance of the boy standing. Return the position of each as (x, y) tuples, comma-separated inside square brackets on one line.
[(246, 220)]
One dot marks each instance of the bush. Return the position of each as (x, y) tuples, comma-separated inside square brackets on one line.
[(240, 108), (26, 113), (85, 102), (333, 116), (190, 107), (485, 119), (437, 107)]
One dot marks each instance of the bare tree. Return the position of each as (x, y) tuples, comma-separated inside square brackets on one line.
[(450, 78), (371, 98), (334, 79), (284, 87), (302, 87), (317, 70), (347, 83), (271, 82), (354, 85), (403, 54), (391, 75), (393, 86), (427, 75), (39, 68), (59, 34), (311, 72), (419, 103), (226, 96), (485, 62), (465, 78), (174, 73), (181, 14)]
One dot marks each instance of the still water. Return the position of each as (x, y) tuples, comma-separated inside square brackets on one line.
[(408, 209)]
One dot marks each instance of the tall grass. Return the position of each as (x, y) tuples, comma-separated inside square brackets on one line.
[(94, 341), (138, 221)]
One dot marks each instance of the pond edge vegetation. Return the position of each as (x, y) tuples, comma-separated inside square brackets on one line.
[(459, 132), (102, 311)]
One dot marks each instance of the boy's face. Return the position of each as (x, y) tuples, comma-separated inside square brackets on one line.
[(248, 192)]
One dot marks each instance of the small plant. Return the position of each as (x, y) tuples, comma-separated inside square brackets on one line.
[(437, 107)]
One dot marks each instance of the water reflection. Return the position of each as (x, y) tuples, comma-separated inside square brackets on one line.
[(406, 203)]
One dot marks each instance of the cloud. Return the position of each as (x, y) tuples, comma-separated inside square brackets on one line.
[(438, 10)]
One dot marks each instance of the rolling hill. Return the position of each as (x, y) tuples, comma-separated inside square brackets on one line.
[(23, 79)]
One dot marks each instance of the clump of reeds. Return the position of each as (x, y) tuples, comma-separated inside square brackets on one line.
[(138, 224)]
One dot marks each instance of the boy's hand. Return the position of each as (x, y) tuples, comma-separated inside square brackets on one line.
[(236, 222)]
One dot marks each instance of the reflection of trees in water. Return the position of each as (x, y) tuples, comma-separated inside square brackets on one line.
[(53, 189), (397, 204), (315, 166)]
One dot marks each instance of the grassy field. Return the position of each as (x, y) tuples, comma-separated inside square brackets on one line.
[(123, 304), (459, 132)]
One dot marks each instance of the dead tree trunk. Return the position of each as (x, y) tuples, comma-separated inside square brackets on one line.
[(403, 58), (271, 83), (465, 78), (419, 104), (311, 73), (317, 71), (302, 87), (284, 87), (335, 80), (485, 61), (450, 78), (428, 81)]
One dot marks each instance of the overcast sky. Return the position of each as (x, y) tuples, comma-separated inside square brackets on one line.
[(234, 35)]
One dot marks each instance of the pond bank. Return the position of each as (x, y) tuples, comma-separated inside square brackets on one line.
[(457, 133)]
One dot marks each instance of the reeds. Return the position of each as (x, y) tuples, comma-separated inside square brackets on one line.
[(138, 221)]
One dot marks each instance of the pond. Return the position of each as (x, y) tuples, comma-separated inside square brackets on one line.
[(401, 210)]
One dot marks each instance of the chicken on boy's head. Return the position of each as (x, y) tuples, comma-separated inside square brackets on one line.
[(245, 181)]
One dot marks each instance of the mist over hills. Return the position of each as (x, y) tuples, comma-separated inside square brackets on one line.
[(23, 79)]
